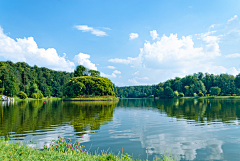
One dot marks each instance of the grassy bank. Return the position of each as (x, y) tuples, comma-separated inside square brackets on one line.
[(95, 98), (32, 99), (59, 151), (211, 97)]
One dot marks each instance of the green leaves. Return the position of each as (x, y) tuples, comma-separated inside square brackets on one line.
[(88, 85)]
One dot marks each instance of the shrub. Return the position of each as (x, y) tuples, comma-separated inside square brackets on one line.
[(233, 94), (200, 94), (175, 93), (35, 95), (215, 90), (40, 95), (195, 94), (181, 95), (1, 90), (22, 95)]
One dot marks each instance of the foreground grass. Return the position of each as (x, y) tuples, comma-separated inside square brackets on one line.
[(14, 151)]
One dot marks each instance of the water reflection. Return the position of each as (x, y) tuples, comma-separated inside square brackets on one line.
[(24, 117), (189, 128), (197, 129)]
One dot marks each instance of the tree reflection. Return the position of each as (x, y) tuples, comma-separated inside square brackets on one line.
[(35, 115)]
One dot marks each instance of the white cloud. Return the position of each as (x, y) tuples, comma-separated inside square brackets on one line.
[(133, 81), (83, 59), (170, 52), (106, 28), (26, 50), (136, 73), (133, 36), (154, 34), (233, 18), (86, 28), (111, 67), (236, 55), (212, 26), (116, 72), (123, 61), (146, 78), (113, 75)]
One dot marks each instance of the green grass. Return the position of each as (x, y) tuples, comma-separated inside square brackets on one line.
[(32, 99), (60, 150)]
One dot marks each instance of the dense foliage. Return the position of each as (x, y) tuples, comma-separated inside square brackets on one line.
[(83, 71), (16, 77), (135, 91), (189, 85), (22, 95), (88, 85)]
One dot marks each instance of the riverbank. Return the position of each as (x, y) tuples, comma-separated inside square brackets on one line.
[(32, 99), (211, 97), (95, 98), (14, 151)]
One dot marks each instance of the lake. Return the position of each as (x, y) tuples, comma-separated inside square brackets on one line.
[(189, 129)]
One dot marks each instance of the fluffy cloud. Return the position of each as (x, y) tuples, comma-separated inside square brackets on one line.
[(111, 67), (171, 52), (123, 61), (116, 72), (86, 28), (154, 34), (236, 55), (133, 81), (113, 75), (133, 36), (83, 59), (26, 50)]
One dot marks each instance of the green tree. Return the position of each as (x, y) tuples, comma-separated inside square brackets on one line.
[(215, 90), (22, 95), (80, 71), (175, 93), (168, 92)]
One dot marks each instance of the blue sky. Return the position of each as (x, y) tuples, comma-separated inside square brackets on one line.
[(130, 42)]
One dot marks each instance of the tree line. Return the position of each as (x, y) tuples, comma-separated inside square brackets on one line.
[(190, 85), (26, 81), (16, 77)]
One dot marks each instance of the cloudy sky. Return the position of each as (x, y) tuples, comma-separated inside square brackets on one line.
[(130, 42)]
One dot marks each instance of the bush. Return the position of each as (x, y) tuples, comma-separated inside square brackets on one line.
[(35, 95), (181, 95), (1, 90), (200, 94), (215, 90), (195, 94), (233, 94), (22, 95), (40, 95), (175, 93)]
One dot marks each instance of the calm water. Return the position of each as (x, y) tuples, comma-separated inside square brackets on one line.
[(144, 128)]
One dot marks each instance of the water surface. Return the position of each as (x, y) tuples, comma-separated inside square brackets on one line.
[(145, 128)]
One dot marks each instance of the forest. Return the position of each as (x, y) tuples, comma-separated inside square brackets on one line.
[(16, 77), (190, 85)]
